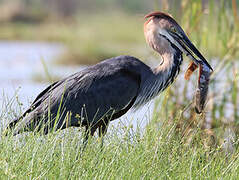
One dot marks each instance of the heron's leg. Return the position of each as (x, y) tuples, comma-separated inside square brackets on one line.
[(89, 130), (86, 136), (85, 141), (102, 131)]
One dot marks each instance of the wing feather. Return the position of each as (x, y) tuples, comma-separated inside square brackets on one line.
[(89, 94)]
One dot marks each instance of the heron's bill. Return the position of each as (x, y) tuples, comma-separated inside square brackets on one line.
[(190, 49)]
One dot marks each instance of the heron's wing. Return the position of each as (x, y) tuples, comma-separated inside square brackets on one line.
[(88, 94), (94, 95)]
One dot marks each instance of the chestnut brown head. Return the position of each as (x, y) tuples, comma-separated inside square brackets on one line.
[(161, 31)]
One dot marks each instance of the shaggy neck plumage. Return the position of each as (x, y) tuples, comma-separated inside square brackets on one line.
[(161, 77)]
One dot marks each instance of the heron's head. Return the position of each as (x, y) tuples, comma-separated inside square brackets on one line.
[(162, 31)]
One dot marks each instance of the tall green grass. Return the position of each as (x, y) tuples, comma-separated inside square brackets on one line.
[(161, 151), (176, 143)]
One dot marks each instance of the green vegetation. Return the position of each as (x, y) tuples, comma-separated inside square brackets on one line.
[(177, 143), (89, 39), (162, 151)]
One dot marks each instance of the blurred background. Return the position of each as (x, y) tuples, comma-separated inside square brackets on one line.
[(45, 40)]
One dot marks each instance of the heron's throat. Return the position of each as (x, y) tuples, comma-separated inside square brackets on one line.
[(162, 76), (168, 70), (170, 66)]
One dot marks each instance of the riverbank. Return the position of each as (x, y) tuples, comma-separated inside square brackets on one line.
[(88, 39)]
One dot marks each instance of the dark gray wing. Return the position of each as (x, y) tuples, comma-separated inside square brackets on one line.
[(87, 96), (106, 94)]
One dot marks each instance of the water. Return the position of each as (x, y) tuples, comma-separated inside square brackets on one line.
[(21, 61)]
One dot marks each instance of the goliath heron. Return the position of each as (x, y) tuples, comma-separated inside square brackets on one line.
[(103, 92)]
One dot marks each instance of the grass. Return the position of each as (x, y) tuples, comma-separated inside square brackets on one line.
[(160, 152), (177, 143), (173, 145), (157, 153)]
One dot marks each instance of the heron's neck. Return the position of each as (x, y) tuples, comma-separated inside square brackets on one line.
[(168, 70), (162, 76)]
